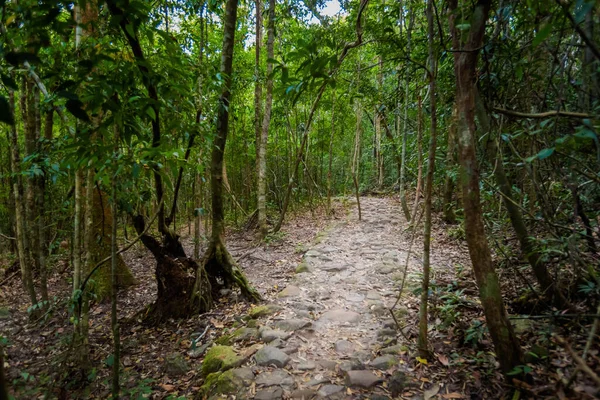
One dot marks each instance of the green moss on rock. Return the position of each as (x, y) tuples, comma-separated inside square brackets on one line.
[(264, 310), (302, 267), (220, 358)]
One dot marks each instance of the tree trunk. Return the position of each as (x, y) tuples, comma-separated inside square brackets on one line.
[(114, 262), (262, 156), (423, 314), (24, 260), (419, 156), (356, 154), (535, 259), (379, 158), (449, 216), (218, 263), (508, 350), (329, 169), (257, 82), (405, 122)]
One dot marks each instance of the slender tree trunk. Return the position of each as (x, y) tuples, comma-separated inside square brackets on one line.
[(24, 260), (423, 314), (114, 324), (549, 289), (262, 156), (506, 344), (449, 216), (356, 154), (405, 122), (379, 158), (330, 153), (257, 81), (419, 155), (3, 384)]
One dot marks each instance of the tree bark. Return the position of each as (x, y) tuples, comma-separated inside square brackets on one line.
[(506, 344), (257, 81), (449, 215), (423, 314), (262, 156)]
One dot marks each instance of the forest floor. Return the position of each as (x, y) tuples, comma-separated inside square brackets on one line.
[(324, 329)]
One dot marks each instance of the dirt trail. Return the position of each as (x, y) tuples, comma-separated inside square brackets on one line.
[(332, 321)]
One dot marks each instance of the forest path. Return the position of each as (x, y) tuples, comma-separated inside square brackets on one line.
[(332, 319)]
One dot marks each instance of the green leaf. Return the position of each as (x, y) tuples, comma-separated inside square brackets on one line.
[(586, 134), (151, 113), (545, 153), (6, 115), (463, 27), (542, 34)]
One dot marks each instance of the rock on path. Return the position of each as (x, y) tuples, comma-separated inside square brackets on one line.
[(331, 320)]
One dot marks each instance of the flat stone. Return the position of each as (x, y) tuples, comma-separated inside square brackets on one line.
[(303, 394), (269, 394), (385, 269), (291, 349), (354, 297), (344, 347), (268, 335), (317, 380), (373, 295), (340, 316), (334, 268), (386, 332), (328, 249), (325, 258), (351, 365), (395, 349), (277, 377), (245, 374), (176, 365), (384, 362), (312, 253), (291, 325), (290, 291), (269, 355), (362, 378), (264, 310), (329, 390), (307, 365), (327, 364)]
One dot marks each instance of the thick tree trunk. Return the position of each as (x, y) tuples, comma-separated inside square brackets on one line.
[(508, 350), (262, 154), (423, 313), (330, 166), (218, 265), (356, 154), (257, 81), (379, 158)]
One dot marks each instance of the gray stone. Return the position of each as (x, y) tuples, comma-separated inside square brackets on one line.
[(384, 362), (4, 313), (291, 325), (303, 394), (269, 355), (277, 377), (351, 365), (334, 268), (362, 378), (264, 310), (385, 269), (291, 349), (354, 297), (268, 335), (269, 394), (329, 390), (317, 380), (344, 347), (328, 249), (290, 291), (395, 349), (280, 344), (327, 364), (244, 334), (312, 253), (199, 351), (244, 374), (373, 295), (176, 365), (386, 332), (340, 316), (307, 365)]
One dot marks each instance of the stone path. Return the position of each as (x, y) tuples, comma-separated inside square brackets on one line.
[(329, 334)]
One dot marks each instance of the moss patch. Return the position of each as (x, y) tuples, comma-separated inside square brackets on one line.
[(220, 358), (221, 383), (302, 267), (264, 310)]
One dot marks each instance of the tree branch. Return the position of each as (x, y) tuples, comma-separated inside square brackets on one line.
[(546, 114)]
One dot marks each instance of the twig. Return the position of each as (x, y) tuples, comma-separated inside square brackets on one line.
[(546, 114), (580, 362), (7, 237), (8, 278)]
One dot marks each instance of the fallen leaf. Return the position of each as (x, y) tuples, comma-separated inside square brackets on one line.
[(430, 393), (168, 388), (452, 395), (443, 360)]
